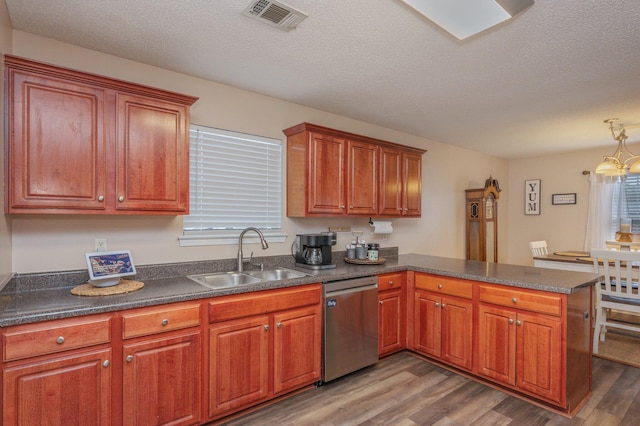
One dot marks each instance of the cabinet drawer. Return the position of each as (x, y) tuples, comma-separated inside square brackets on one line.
[(445, 285), (158, 320), (390, 281), (25, 341), (263, 302), (534, 301)]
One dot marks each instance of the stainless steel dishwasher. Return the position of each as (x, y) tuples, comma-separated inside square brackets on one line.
[(350, 326)]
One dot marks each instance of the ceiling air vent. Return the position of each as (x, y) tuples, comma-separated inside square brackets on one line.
[(275, 13)]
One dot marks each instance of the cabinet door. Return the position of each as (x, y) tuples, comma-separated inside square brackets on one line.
[(57, 146), (457, 332), (152, 155), (70, 390), (239, 364), (427, 324), (390, 182), (539, 355), (390, 324), (497, 344), (362, 178), (297, 348), (412, 184), (326, 184), (162, 381)]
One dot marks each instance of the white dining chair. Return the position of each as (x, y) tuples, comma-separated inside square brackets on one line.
[(617, 289), (538, 248)]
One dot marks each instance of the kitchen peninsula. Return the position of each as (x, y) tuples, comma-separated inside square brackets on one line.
[(523, 330)]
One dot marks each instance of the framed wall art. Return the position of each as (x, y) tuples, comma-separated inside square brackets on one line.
[(532, 197), (563, 198)]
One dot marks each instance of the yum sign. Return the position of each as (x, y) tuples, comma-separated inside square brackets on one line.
[(532, 196)]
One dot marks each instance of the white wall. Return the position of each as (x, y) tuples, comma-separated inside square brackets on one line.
[(51, 243), (562, 226), (5, 223)]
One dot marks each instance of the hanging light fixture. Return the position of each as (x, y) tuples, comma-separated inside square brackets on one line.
[(616, 164)]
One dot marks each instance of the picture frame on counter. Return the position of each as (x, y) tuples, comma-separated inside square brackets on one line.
[(532, 197), (559, 199)]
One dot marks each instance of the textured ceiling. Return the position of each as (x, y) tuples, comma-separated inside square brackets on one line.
[(541, 83)]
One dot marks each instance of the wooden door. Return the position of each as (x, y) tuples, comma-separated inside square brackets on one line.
[(390, 324), (457, 332), (427, 323), (162, 381), (390, 182), (326, 177), (238, 364), (497, 344), (412, 184), (67, 390), (539, 356), (152, 153), (362, 178), (297, 348), (57, 145)]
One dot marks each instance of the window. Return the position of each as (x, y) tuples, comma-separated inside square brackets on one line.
[(629, 201), (235, 182)]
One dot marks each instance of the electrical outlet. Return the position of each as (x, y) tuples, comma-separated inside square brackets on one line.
[(101, 244)]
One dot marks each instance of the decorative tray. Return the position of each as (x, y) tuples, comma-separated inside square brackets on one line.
[(380, 261)]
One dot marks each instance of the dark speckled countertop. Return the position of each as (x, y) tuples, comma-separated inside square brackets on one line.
[(22, 301)]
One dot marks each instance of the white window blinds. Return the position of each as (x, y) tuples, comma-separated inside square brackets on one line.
[(235, 181)]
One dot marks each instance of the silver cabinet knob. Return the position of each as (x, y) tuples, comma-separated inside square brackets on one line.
[(514, 300), (100, 197), (279, 325), (165, 321), (105, 363), (390, 282), (443, 305), (381, 302), (510, 321), (437, 305), (518, 322), (342, 207), (266, 327), (121, 198), (439, 285), (129, 358), (406, 209), (60, 340)]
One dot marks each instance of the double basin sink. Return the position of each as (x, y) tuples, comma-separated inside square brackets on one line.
[(232, 279)]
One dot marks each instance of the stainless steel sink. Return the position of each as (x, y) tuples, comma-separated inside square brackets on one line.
[(276, 274), (232, 279), (224, 279)]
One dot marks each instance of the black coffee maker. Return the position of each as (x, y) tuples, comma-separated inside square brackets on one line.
[(313, 251)]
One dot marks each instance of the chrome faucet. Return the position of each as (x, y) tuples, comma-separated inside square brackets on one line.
[(240, 256)]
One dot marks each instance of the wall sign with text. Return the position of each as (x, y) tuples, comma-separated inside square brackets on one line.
[(532, 196)]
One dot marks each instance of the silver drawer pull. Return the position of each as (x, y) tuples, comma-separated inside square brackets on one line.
[(100, 197), (121, 198), (60, 340), (266, 327), (279, 325), (129, 358), (514, 300), (510, 321), (518, 322), (165, 321), (105, 363), (390, 282), (437, 305), (439, 285)]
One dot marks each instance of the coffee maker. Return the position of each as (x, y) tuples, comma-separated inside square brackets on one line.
[(313, 251)]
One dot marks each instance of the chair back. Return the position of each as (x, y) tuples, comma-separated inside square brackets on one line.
[(620, 272), (538, 248)]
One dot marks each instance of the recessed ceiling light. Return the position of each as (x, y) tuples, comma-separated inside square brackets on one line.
[(464, 18)]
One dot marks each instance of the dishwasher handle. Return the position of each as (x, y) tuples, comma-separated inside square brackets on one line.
[(351, 290)]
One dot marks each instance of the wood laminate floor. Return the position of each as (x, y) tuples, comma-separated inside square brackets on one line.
[(404, 390)]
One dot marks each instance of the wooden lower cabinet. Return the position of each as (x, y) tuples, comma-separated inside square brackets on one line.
[(162, 380), (70, 389), (443, 328), (392, 313), (263, 345), (521, 350)]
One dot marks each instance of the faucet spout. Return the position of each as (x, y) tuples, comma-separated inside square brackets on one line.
[(263, 242)]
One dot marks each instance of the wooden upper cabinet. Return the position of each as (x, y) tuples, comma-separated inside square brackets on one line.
[(81, 143), (335, 173), (152, 155)]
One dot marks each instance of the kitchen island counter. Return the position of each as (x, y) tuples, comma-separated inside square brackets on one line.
[(21, 303)]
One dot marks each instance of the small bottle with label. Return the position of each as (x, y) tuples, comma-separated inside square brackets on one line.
[(372, 251)]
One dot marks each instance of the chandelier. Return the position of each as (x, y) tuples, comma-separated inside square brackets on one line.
[(616, 164)]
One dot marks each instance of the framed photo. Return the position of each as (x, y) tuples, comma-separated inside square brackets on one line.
[(563, 198), (532, 197), (106, 267)]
